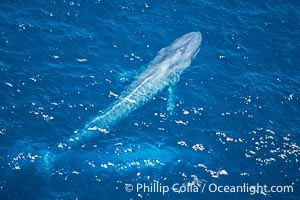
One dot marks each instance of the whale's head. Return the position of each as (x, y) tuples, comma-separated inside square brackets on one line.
[(181, 52), (188, 45)]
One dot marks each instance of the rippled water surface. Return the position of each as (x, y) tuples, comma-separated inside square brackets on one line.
[(235, 122)]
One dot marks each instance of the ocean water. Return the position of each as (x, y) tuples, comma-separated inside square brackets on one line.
[(236, 118)]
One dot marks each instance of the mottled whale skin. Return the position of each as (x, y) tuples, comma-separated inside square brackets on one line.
[(161, 72)]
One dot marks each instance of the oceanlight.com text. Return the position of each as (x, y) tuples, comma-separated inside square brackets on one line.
[(251, 189)]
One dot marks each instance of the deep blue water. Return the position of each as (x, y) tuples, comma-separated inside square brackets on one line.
[(236, 118)]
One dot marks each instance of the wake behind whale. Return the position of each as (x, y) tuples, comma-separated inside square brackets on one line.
[(163, 71)]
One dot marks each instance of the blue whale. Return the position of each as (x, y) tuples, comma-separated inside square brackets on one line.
[(164, 70)]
